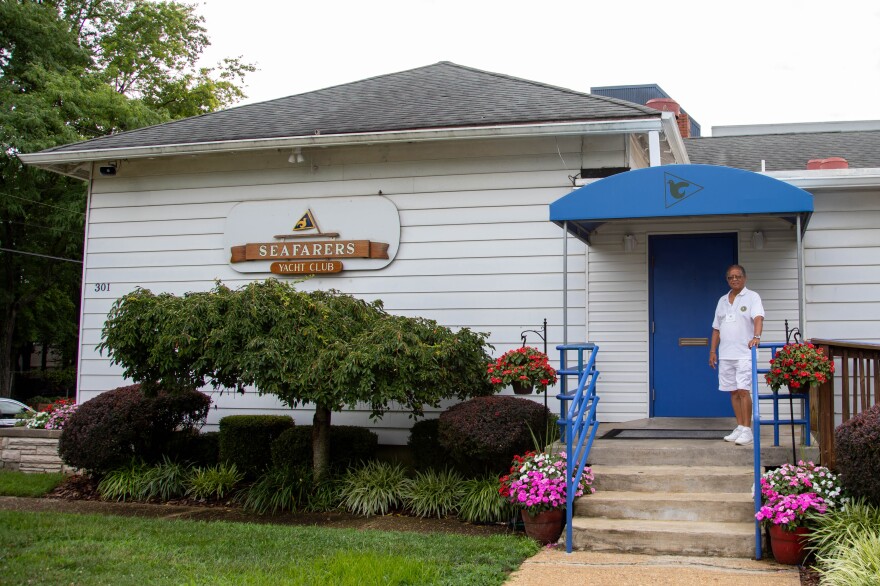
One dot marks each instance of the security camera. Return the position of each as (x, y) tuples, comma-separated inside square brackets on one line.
[(107, 170)]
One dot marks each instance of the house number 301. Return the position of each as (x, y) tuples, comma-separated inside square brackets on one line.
[(102, 287)]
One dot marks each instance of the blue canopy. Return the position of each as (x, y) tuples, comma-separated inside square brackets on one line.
[(676, 191)]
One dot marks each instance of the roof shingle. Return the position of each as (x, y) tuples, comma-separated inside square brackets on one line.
[(786, 152), (442, 95)]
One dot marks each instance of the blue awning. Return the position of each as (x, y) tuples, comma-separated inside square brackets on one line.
[(677, 191)]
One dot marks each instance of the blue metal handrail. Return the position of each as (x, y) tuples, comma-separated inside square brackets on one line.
[(756, 446), (577, 421), (757, 422)]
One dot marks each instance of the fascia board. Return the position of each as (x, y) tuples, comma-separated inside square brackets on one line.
[(44, 159), (673, 138)]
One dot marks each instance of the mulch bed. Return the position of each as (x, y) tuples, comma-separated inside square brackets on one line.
[(79, 494)]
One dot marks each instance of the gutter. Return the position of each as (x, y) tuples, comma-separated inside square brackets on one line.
[(74, 157), (830, 178)]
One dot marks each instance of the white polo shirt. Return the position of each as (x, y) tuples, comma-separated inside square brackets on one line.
[(736, 323)]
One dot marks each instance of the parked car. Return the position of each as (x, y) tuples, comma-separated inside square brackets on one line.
[(9, 408)]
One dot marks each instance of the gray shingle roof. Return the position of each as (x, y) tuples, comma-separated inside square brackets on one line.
[(442, 95), (786, 152)]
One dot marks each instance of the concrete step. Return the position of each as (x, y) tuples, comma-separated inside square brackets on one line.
[(673, 479), (694, 453), (664, 537), (668, 506)]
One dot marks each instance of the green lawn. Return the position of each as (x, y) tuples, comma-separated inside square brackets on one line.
[(20, 484), (57, 548)]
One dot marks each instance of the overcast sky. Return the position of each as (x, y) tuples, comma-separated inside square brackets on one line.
[(734, 62)]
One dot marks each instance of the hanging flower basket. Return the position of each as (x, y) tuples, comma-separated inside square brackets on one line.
[(798, 367), (527, 368)]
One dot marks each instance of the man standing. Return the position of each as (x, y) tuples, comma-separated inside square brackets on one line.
[(739, 320)]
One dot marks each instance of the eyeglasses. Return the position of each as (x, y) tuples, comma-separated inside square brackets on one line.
[(735, 277)]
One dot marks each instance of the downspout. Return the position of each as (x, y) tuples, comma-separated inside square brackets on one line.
[(654, 148), (800, 274), (565, 282)]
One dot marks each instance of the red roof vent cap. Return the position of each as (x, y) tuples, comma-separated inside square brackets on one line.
[(664, 105), (835, 163)]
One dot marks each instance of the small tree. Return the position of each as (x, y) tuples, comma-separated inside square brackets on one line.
[(323, 348)]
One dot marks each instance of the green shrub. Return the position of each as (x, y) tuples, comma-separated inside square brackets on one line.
[(842, 526), (213, 482), (857, 454), (433, 494), (198, 449), (108, 431), (424, 444), (164, 481), (37, 400), (483, 434), (373, 488), (123, 484), (279, 489), (348, 444), (246, 440), (324, 496), (481, 502), (856, 563)]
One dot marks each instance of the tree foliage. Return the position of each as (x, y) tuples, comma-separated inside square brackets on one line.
[(72, 70), (323, 348)]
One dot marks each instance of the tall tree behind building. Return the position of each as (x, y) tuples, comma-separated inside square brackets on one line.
[(70, 71)]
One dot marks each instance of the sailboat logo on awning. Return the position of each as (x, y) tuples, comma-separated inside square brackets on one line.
[(678, 189)]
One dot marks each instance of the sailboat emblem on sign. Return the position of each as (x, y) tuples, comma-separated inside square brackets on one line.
[(306, 222)]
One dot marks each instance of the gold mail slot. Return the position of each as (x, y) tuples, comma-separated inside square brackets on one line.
[(693, 341)]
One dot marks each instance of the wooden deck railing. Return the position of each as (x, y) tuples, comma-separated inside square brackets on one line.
[(857, 378)]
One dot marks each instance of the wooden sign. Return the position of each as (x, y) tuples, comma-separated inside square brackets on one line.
[(308, 250), (310, 236), (313, 267)]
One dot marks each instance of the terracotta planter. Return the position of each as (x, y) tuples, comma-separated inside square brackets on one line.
[(521, 388), (788, 546), (545, 527)]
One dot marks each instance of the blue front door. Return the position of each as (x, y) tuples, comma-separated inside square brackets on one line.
[(686, 281)]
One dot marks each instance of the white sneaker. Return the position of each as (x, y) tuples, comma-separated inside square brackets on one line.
[(745, 438), (734, 434)]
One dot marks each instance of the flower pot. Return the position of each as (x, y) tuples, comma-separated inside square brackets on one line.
[(788, 546), (521, 388), (544, 527)]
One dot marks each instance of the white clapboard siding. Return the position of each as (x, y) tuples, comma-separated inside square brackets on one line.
[(842, 266), (476, 248)]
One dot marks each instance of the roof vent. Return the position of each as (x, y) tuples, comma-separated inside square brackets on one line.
[(664, 105), (835, 163), (829, 163)]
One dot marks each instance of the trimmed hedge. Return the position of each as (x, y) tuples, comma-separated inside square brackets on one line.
[(483, 434), (348, 444), (424, 445), (198, 449), (246, 440), (857, 454), (108, 431)]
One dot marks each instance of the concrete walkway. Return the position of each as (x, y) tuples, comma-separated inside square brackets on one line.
[(554, 566)]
